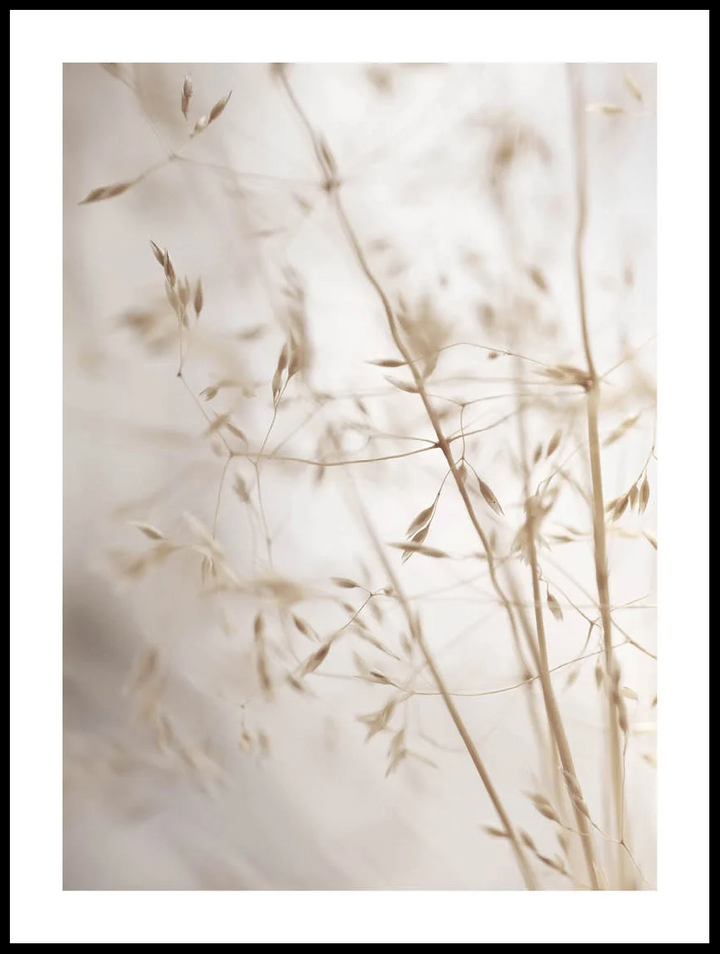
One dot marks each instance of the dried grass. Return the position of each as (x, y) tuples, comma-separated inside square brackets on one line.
[(291, 645)]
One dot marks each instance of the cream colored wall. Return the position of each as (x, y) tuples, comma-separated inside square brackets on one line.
[(414, 147)]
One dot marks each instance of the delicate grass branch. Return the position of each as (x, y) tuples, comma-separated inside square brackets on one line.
[(593, 404)]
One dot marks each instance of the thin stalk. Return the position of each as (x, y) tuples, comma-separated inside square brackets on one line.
[(598, 501), (551, 705), (417, 634), (557, 786)]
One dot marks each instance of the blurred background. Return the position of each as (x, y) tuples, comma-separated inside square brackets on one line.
[(199, 752)]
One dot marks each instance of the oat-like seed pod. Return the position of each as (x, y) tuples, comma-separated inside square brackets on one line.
[(198, 298), (187, 91)]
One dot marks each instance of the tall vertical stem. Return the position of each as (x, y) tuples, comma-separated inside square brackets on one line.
[(598, 501)]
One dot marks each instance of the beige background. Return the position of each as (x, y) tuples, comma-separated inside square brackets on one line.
[(415, 146)]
